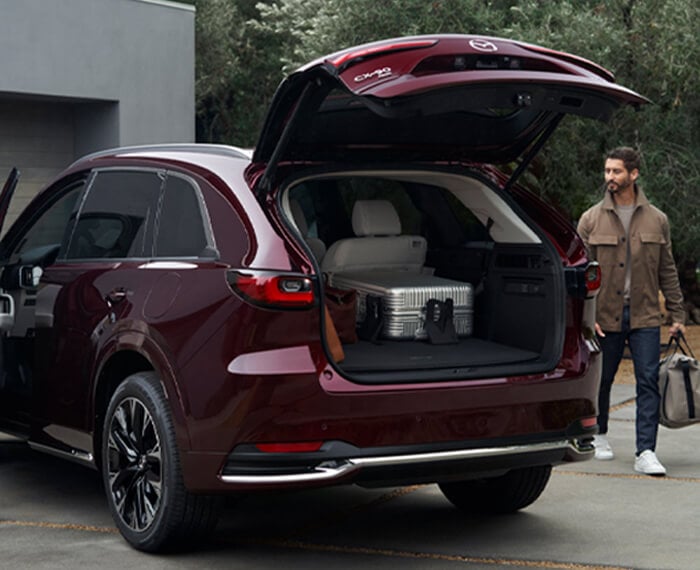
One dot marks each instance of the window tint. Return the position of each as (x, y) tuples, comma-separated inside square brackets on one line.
[(328, 204), (472, 229), (302, 197), (181, 230), (423, 209), (117, 215), (50, 228), (324, 211)]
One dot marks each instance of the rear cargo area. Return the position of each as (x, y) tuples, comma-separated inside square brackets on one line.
[(450, 278)]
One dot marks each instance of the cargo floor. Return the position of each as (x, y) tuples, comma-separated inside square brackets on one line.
[(414, 355)]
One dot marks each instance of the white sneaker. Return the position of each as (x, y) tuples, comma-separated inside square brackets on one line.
[(603, 451), (647, 462)]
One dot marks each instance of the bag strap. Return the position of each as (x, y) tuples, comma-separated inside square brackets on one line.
[(675, 343), (373, 324), (439, 322), (680, 338)]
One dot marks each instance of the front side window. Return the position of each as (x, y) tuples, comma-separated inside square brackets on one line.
[(116, 219), (50, 228)]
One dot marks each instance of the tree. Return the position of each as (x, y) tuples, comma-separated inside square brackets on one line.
[(653, 46), (238, 69)]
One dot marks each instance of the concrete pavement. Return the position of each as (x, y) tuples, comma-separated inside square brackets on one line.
[(593, 515)]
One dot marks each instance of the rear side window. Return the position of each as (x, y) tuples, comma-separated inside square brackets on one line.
[(181, 227), (117, 216)]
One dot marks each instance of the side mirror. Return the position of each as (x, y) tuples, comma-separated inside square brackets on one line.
[(29, 276)]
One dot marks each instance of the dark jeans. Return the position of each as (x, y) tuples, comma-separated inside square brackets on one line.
[(645, 348)]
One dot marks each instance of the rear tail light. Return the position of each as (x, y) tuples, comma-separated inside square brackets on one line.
[(592, 276), (583, 281), (271, 289)]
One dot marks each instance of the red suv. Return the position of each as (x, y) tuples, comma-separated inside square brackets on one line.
[(364, 300)]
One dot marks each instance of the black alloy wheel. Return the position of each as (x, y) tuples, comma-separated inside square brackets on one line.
[(134, 467), (142, 475)]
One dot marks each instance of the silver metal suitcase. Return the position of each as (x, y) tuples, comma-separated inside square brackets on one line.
[(405, 295)]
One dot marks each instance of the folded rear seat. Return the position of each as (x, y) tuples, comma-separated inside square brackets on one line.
[(378, 244)]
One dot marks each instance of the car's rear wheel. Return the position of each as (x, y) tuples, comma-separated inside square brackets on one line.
[(142, 474), (498, 495)]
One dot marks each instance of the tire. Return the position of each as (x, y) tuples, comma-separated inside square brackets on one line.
[(508, 493), (142, 475)]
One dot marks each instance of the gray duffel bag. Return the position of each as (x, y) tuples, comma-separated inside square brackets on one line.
[(679, 385)]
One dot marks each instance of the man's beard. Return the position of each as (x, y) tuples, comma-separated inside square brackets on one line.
[(614, 187)]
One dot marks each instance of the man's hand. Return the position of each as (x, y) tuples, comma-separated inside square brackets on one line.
[(599, 331), (676, 328)]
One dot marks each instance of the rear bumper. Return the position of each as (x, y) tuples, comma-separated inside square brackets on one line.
[(377, 437), (249, 468)]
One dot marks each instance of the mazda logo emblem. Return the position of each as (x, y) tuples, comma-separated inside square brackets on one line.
[(483, 45)]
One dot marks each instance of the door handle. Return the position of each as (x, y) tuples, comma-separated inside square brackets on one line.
[(115, 296)]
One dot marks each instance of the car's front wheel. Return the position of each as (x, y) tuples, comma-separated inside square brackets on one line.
[(141, 471), (508, 493)]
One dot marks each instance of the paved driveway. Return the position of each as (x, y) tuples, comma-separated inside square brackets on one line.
[(592, 515)]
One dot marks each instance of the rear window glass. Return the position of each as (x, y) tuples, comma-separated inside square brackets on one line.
[(327, 205), (430, 211)]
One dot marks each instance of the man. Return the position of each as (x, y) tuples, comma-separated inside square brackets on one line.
[(631, 240)]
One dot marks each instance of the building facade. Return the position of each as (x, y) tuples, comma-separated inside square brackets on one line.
[(78, 76)]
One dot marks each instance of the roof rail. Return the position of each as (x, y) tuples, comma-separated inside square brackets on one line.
[(220, 149)]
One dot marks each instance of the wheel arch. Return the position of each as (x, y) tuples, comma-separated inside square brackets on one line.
[(122, 360)]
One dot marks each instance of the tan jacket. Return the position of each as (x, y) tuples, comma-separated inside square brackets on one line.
[(653, 268)]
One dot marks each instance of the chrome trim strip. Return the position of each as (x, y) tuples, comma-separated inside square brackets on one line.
[(461, 454), (325, 472), (320, 474), (81, 457)]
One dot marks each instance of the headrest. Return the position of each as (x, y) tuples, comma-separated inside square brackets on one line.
[(375, 218)]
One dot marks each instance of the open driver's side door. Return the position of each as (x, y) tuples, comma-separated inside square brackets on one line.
[(7, 309), (8, 400)]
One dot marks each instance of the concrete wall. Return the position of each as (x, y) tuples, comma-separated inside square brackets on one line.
[(137, 53), (82, 75)]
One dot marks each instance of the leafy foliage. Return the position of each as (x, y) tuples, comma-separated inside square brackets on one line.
[(238, 69), (245, 48)]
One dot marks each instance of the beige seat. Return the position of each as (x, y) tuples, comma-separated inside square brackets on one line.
[(378, 244)]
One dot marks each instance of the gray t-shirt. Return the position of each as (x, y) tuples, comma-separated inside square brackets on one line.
[(625, 214)]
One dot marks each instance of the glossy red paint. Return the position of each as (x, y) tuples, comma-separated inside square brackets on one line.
[(347, 58)]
